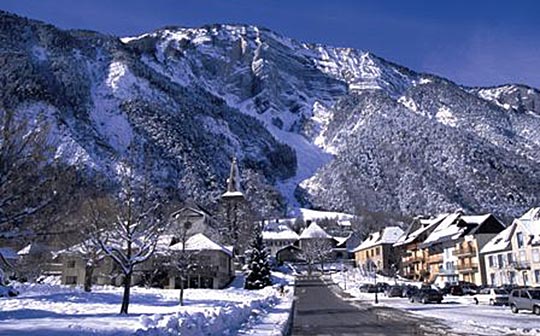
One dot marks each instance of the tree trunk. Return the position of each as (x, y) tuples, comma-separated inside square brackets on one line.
[(322, 266), (89, 271), (309, 268), (181, 291), (125, 299)]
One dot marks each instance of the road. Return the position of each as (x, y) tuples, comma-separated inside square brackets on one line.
[(320, 312)]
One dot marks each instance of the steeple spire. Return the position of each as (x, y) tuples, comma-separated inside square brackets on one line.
[(234, 189)]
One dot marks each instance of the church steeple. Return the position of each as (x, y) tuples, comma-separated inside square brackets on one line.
[(234, 189)]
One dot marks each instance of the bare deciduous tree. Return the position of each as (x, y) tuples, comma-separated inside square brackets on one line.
[(29, 178), (316, 250), (129, 226)]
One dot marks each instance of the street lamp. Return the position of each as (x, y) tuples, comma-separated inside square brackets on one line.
[(373, 268)]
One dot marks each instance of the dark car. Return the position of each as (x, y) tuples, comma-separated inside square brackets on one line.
[(452, 290), (368, 288), (394, 291), (525, 299), (427, 296), (382, 286), (409, 291)]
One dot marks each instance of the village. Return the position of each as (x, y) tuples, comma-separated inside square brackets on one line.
[(458, 254)]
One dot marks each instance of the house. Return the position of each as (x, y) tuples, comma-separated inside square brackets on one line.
[(290, 253), (76, 259), (413, 257), (315, 233), (499, 258), (377, 251), (212, 266), (277, 235), (513, 256), (198, 219), (452, 248)]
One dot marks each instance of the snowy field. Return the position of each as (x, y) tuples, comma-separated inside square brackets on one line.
[(61, 310), (459, 312)]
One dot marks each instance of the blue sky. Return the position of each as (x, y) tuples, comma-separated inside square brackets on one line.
[(474, 42)]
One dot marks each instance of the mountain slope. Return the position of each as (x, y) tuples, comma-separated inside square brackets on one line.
[(340, 128)]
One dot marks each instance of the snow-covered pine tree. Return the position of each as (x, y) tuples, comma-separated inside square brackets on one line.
[(258, 265)]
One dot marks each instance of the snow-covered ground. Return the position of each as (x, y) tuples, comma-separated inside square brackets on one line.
[(459, 312), (43, 309)]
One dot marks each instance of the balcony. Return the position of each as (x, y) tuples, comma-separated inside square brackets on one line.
[(521, 265), (413, 260), (466, 251), (435, 259), (467, 268), (444, 271)]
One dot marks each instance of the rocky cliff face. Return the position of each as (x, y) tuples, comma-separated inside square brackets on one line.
[(333, 127)]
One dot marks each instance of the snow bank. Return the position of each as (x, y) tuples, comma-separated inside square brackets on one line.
[(44, 309)]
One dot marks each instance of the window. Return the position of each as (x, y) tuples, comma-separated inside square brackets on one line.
[(490, 261), (525, 278), (71, 264), (515, 293), (522, 256), (524, 294), (378, 250), (537, 276), (492, 278), (519, 237), (536, 255), (500, 260), (71, 280), (510, 258), (512, 277)]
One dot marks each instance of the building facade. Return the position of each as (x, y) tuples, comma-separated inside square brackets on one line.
[(377, 251)]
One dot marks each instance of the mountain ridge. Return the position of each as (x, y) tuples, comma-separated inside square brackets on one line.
[(199, 96)]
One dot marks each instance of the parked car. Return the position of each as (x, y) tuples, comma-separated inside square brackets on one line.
[(409, 291), (367, 288), (492, 296), (394, 291), (525, 299), (382, 286), (454, 289), (468, 288), (427, 296)]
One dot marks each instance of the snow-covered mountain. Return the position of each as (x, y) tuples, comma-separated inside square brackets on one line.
[(336, 128)]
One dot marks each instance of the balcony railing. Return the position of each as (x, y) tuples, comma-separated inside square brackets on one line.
[(413, 260), (467, 251), (521, 265), (445, 271), (435, 259), (467, 268)]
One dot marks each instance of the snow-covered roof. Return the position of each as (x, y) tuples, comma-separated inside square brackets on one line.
[(232, 194), (388, 235), (32, 248), (279, 231), (280, 235), (425, 224), (8, 253), (501, 242), (341, 240), (531, 222), (314, 231), (475, 219), (455, 226), (200, 242), (447, 229)]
